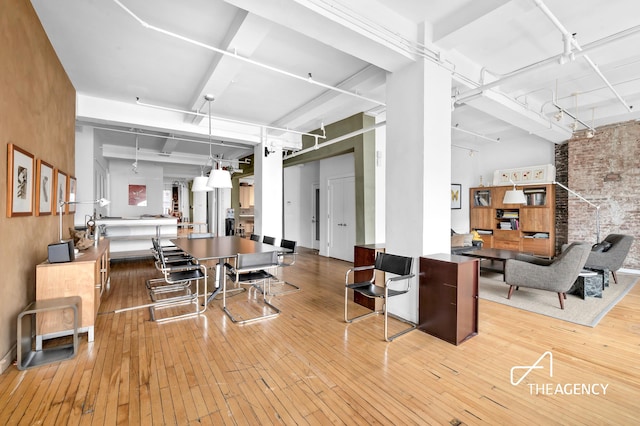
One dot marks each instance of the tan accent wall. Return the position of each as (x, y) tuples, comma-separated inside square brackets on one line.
[(37, 113)]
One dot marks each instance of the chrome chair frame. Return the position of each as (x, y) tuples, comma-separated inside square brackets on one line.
[(386, 263), (178, 278), (282, 263), (250, 269)]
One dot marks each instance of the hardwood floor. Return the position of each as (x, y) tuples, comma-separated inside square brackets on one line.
[(308, 367)]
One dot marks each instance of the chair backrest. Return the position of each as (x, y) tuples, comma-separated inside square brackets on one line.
[(269, 240), (570, 262), (197, 235), (255, 237), (614, 257), (288, 244), (399, 265), (257, 260)]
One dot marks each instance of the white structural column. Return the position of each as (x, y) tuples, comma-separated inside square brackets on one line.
[(418, 169), (268, 192)]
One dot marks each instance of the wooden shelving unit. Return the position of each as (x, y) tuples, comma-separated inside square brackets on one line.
[(526, 227)]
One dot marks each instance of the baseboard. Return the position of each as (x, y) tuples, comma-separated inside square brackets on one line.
[(629, 271), (7, 360)]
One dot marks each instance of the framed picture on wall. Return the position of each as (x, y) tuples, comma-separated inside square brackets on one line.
[(71, 194), (60, 190), (456, 196), (20, 173), (44, 188), (138, 195)]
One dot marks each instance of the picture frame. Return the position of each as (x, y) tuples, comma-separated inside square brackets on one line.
[(72, 191), (20, 177), (44, 188), (456, 196), (138, 195), (60, 190)]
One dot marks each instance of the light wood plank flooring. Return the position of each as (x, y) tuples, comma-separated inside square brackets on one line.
[(308, 367)]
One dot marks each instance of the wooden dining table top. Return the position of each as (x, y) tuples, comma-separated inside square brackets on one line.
[(223, 247)]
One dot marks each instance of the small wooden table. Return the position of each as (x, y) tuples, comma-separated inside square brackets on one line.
[(493, 255)]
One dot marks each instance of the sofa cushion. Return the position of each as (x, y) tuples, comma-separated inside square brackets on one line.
[(461, 240)]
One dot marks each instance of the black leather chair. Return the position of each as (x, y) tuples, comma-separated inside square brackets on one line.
[(252, 269), (255, 237), (176, 289), (400, 266), (269, 240), (286, 258)]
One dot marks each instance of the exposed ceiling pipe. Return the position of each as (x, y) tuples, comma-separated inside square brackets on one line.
[(478, 135), (335, 140), (153, 135), (235, 55), (230, 120), (502, 78), (569, 39)]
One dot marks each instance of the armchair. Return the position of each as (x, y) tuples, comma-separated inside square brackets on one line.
[(613, 257), (557, 275)]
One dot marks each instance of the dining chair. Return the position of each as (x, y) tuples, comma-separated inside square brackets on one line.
[(269, 240), (251, 269), (255, 237), (286, 258), (400, 267)]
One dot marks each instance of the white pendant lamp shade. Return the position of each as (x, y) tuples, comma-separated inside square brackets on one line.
[(514, 196), (219, 179), (200, 184)]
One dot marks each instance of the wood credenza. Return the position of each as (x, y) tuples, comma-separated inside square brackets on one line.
[(87, 276), (365, 255), (448, 297)]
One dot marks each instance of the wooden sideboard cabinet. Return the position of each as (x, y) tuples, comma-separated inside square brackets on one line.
[(528, 227), (448, 297), (365, 255), (87, 276)]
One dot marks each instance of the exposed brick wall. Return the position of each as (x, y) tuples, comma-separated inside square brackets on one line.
[(562, 213), (606, 171)]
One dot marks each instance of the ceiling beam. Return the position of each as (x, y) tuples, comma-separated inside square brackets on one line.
[(244, 36), (306, 17)]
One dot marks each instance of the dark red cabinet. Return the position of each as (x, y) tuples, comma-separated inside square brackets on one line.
[(448, 297)]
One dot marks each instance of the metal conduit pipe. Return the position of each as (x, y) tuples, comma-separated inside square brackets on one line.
[(569, 39), (243, 58), (501, 78), (335, 140)]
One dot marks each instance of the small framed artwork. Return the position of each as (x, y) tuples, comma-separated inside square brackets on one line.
[(71, 194), (456, 196), (138, 195), (60, 190), (44, 187), (20, 173)]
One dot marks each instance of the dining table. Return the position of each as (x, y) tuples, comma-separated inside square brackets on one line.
[(221, 249)]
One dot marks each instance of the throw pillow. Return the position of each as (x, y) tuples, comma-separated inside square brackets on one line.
[(468, 240), (601, 247), (457, 240)]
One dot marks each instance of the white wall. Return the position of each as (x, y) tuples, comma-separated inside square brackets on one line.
[(381, 198), (121, 176), (293, 199)]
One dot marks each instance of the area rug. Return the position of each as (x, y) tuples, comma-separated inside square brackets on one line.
[(587, 312)]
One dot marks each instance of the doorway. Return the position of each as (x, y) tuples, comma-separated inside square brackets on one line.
[(315, 218), (342, 215)]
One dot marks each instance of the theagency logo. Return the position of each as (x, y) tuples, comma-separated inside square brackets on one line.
[(553, 388)]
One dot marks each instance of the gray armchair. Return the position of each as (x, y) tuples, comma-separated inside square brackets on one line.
[(557, 275), (614, 256)]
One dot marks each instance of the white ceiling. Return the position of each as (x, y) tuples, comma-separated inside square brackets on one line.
[(112, 58)]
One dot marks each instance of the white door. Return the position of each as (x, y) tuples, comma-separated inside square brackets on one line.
[(342, 230), (315, 219)]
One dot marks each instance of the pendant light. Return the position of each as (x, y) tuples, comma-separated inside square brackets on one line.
[(218, 178)]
